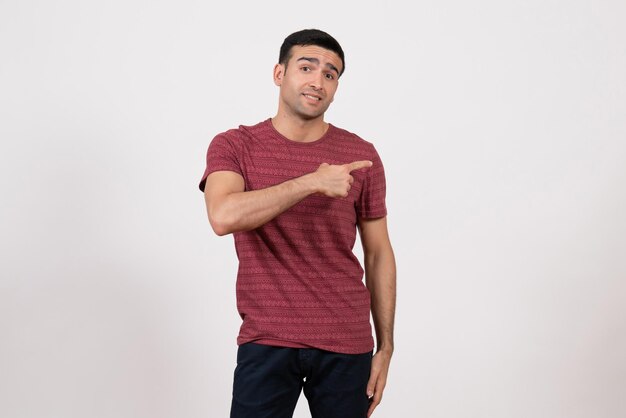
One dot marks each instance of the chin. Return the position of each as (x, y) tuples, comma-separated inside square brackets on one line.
[(315, 113), (310, 116)]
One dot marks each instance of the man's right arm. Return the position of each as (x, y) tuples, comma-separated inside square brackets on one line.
[(231, 209)]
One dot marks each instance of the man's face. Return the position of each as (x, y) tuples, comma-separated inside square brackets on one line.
[(308, 85)]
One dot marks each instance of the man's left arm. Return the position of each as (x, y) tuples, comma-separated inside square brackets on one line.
[(380, 279)]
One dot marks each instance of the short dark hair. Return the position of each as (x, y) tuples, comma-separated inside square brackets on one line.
[(310, 37)]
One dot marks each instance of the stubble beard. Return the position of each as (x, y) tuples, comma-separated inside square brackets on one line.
[(301, 111)]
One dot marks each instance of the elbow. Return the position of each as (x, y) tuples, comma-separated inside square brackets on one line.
[(219, 229), (221, 223)]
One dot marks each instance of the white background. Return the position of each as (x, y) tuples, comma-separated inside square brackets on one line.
[(502, 126)]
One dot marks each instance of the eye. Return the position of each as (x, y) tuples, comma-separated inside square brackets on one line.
[(330, 76), (306, 69)]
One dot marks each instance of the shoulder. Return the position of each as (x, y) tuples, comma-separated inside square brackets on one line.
[(353, 140), (236, 136)]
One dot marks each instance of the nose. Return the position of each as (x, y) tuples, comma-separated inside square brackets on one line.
[(316, 81)]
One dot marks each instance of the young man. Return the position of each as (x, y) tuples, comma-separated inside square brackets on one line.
[(292, 190)]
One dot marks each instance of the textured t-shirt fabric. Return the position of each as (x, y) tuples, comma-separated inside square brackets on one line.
[(299, 283)]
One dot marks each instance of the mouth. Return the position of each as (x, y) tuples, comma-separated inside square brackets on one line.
[(312, 97)]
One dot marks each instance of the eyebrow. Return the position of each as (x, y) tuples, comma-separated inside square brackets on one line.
[(316, 61)]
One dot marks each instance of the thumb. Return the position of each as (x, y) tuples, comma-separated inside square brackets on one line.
[(371, 385)]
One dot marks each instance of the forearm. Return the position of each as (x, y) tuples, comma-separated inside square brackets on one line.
[(380, 277), (243, 211)]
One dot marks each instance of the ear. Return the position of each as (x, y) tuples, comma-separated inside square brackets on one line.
[(279, 73)]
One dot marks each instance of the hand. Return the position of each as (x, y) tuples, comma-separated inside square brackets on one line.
[(378, 379), (335, 180)]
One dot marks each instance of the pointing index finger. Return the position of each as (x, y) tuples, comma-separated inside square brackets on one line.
[(359, 164)]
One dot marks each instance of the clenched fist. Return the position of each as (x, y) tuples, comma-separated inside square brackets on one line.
[(335, 180)]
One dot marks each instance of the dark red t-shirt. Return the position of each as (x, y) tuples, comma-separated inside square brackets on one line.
[(299, 284)]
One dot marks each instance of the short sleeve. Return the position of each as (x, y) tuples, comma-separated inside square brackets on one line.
[(371, 203), (221, 155)]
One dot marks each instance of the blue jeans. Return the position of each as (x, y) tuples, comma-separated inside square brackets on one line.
[(268, 382)]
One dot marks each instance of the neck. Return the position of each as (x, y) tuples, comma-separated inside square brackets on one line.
[(298, 129)]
